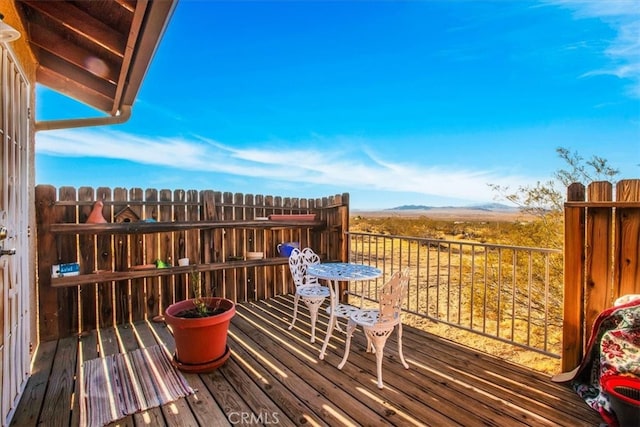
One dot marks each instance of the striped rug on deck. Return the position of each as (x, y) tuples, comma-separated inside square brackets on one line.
[(121, 384)]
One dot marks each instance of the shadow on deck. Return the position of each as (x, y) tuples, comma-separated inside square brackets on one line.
[(274, 377)]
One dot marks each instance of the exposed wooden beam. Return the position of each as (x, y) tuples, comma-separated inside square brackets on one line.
[(55, 44), (126, 4), (73, 89), (82, 24), (67, 71)]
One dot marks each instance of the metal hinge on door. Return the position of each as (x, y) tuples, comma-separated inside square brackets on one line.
[(3, 236)]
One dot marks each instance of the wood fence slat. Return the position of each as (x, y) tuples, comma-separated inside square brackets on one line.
[(216, 279), (228, 249), (598, 256), (179, 283), (208, 246), (166, 249), (240, 243), (105, 251), (138, 286), (67, 250), (152, 254), (88, 256), (627, 249), (253, 282), (282, 276), (192, 245), (122, 288)]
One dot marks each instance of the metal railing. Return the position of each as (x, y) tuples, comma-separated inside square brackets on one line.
[(509, 293)]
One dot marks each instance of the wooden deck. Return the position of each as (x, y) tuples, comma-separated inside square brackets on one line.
[(274, 377)]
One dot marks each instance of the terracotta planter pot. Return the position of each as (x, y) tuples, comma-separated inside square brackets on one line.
[(201, 343)]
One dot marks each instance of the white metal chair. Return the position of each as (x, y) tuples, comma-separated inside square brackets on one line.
[(308, 288), (378, 324)]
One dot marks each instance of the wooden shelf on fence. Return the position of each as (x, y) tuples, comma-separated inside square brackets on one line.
[(110, 276), (142, 227)]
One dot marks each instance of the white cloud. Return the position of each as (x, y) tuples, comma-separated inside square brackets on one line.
[(349, 169), (623, 16)]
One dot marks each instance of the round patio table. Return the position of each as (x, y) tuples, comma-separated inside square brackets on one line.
[(336, 272)]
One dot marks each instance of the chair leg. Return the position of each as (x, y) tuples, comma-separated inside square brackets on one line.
[(378, 339), (295, 311), (332, 324), (404, 363), (370, 348), (351, 326), (313, 314)]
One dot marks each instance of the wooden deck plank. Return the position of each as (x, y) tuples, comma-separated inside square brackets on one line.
[(261, 403), (275, 371), (58, 398), (28, 409), (225, 394)]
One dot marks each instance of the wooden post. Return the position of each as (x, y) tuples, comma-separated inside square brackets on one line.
[(46, 213), (573, 336)]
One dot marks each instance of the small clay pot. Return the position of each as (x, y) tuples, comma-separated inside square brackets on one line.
[(95, 217)]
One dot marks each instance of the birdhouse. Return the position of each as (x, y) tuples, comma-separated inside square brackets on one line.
[(127, 215)]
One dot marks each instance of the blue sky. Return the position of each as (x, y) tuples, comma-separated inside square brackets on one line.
[(421, 102)]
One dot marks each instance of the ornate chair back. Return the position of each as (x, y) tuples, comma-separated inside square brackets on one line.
[(392, 296), (299, 260)]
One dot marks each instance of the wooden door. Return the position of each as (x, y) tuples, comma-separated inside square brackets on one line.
[(15, 317)]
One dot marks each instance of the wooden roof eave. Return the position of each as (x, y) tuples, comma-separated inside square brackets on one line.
[(115, 93)]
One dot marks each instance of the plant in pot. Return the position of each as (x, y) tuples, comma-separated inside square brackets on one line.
[(199, 326)]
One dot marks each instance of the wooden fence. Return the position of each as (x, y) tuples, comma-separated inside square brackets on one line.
[(213, 229), (602, 247)]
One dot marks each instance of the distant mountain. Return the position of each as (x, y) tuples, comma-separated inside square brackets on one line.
[(484, 207), (410, 208)]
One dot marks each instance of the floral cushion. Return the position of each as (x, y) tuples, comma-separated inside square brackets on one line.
[(614, 349)]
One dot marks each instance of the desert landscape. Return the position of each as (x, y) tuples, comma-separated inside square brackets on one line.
[(447, 213)]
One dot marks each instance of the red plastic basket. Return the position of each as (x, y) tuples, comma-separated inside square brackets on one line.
[(624, 396)]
